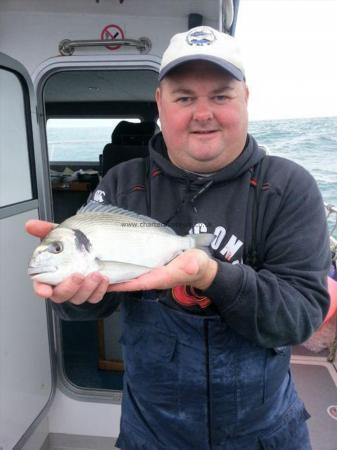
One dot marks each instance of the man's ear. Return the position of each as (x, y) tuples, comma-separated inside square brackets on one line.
[(158, 98), (246, 93)]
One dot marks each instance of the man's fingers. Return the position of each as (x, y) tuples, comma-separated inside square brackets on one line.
[(99, 292), (91, 289), (42, 290), (39, 228), (76, 289), (189, 263), (67, 289)]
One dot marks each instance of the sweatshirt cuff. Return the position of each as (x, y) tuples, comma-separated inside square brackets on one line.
[(226, 285)]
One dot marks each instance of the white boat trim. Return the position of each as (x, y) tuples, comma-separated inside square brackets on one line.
[(316, 361)]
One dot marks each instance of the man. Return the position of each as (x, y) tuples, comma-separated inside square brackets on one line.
[(206, 338)]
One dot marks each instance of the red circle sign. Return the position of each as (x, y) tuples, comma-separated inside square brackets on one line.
[(111, 32)]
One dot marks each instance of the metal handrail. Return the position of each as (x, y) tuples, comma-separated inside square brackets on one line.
[(226, 15), (332, 210), (67, 47)]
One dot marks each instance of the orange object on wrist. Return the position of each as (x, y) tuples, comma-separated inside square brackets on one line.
[(187, 296)]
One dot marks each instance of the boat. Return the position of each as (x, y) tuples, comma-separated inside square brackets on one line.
[(62, 62)]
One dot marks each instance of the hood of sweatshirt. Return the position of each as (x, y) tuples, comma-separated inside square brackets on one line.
[(250, 155)]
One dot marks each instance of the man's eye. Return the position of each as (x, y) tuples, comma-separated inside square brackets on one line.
[(220, 98), (184, 99)]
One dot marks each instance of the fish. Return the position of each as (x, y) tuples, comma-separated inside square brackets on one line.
[(118, 243)]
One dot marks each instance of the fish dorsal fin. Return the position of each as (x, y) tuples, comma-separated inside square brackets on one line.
[(98, 208)]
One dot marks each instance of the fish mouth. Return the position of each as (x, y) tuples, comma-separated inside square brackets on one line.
[(33, 271)]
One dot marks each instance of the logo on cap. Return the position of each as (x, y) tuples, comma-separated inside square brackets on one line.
[(201, 36)]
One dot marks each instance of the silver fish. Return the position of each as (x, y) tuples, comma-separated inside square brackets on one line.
[(118, 243)]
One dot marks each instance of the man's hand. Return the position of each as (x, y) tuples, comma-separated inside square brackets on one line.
[(76, 289), (193, 268)]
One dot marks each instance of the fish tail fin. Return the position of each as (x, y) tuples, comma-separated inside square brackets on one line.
[(202, 240)]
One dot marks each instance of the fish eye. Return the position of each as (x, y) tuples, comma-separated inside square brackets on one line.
[(56, 247)]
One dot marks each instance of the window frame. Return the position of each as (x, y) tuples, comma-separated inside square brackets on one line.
[(40, 77)]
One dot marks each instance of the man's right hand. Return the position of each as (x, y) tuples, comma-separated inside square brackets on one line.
[(75, 289)]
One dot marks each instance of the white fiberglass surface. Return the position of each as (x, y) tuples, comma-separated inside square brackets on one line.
[(15, 183), (25, 374)]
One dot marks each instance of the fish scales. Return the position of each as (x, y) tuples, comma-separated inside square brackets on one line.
[(103, 219), (118, 240)]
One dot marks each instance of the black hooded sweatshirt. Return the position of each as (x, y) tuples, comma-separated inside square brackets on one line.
[(280, 302)]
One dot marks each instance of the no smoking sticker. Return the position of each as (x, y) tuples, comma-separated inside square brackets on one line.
[(112, 32), (332, 411)]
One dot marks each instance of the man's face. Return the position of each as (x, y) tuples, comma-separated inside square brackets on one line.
[(203, 116)]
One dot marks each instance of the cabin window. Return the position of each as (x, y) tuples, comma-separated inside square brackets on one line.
[(81, 139), (13, 142)]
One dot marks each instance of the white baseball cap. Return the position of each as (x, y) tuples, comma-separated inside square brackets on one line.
[(203, 43)]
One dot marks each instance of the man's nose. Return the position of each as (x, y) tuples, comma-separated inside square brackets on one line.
[(202, 111)]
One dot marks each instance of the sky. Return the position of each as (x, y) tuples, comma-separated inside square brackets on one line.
[(289, 48)]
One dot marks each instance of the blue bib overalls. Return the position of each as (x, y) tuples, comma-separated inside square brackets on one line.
[(192, 383)]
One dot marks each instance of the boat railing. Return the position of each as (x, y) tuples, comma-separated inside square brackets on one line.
[(331, 214)]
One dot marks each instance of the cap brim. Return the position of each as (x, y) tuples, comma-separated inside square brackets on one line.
[(227, 66)]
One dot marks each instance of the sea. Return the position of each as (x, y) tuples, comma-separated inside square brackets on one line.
[(311, 142)]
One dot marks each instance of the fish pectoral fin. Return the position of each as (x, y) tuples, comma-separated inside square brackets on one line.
[(118, 271), (107, 263)]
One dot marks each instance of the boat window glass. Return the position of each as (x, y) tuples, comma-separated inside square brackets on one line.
[(80, 139), (14, 152)]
